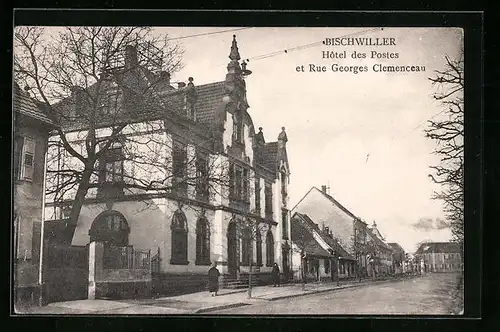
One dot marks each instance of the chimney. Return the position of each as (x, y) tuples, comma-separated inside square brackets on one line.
[(323, 189), (327, 230), (131, 60)]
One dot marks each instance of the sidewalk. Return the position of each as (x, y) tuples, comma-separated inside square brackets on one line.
[(201, 302)]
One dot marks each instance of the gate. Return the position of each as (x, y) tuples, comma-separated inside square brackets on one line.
[(66, 272)]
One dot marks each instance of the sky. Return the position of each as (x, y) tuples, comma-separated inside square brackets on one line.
[(360, 134)]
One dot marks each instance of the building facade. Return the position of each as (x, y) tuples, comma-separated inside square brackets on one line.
[(361, 241), (349, 230), (317, 255), (189, 177), (398, 257), (440, 257), (380, 252), (31, 132)]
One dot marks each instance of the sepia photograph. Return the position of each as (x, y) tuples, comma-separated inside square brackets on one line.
[(238, 170)]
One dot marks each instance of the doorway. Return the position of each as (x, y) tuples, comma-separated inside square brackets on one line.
[(232, 251)]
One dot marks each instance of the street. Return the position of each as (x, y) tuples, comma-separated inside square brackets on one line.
[(428, 295)]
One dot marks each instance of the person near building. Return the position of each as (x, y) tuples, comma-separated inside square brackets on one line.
[(213, 279), (276, 275)]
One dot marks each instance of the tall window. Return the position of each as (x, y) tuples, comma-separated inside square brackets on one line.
[(284, 224), (179, 239), (257, 196), (109, 101), (201, 177), (179, 168), (111, 164), (258, 240), (284, 180), (27, 147), (269, 200), (238, 127), (238, 182), (269, 249), (246, 247), (202, 242)]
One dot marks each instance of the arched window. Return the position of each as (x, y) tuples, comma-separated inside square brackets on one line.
[(179, 239), (258, 240), (111, 228), (246, 247), (202, 242), (269, 249)]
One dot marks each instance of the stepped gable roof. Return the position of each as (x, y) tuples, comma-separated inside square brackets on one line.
[(439, 247), (27, 106), (302, 233)]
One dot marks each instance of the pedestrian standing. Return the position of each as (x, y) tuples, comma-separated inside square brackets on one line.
[(213, 279), (276, 275)]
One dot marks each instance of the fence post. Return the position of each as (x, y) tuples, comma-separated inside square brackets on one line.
[(133, 257), (95, 267)]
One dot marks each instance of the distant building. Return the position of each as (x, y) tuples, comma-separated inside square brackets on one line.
[(398, 257), (350, 231), (31, 132), (382, 252), (440, 256)]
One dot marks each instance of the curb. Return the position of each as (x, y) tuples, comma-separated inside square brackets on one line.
[(221, 307), (328, 290)]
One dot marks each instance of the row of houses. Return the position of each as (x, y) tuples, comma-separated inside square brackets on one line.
[(355, 248), (186, 180)]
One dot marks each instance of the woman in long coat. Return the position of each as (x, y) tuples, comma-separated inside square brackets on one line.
[(213, 279), (276, 275)]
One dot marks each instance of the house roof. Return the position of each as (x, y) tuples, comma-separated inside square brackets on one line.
[(269, 156), (312, 227), (209, 99), (396, 247), (302, 236), (377, 240), (439, 247), (333, 201), (27, 106)]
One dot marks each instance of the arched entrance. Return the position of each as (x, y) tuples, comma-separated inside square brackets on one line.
[(111, 228), (232, 250)]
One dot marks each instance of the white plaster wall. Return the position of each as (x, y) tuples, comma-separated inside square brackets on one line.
[(227, 138), (248, 142)]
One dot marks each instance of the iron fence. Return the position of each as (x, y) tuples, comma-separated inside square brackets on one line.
[(126, 258)]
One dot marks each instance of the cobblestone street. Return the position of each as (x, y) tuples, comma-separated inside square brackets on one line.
[(428, 295)]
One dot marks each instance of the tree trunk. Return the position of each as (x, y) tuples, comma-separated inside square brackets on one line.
[(303, 274), (81, 192)]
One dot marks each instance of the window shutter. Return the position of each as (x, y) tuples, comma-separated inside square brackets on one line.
[(18, 157), (28, 158)]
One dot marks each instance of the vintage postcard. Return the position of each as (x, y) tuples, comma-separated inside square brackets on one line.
[(238, 170)]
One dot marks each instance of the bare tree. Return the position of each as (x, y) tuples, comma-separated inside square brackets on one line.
[(448, 133), (103, 86)]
